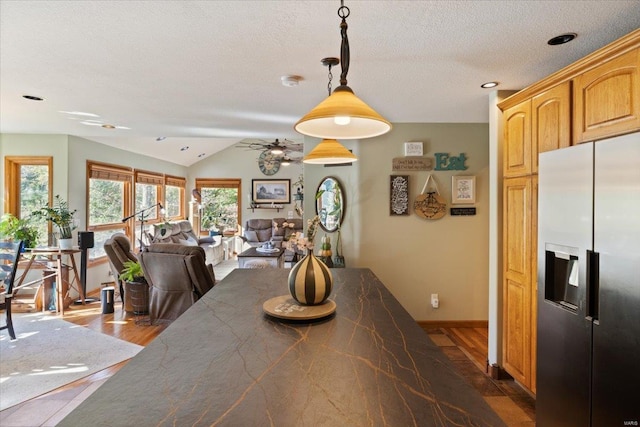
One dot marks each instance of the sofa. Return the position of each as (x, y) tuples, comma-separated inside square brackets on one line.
[(278, 230), (181, 232)]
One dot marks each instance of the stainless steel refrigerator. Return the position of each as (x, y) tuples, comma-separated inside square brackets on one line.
[(588, 371)]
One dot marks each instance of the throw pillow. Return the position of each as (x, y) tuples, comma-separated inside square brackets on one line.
[(189, 241), (251, 235)]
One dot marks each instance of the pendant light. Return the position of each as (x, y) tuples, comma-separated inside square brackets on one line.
[(343, 115), (329, 151)]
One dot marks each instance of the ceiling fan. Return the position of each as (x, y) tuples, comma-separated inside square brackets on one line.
[(274, 154), (277, 147)]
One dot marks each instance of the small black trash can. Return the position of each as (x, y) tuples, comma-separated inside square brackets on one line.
[(106, 296)]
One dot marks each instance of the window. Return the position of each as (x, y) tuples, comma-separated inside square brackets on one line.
[(117, 193), (107, 204), (29, 183), (220, 204), (174, 197), (148, 199)]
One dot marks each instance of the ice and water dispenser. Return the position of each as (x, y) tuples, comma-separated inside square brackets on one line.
[(561, 276)]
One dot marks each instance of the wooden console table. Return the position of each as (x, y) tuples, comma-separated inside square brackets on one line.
[(225, 363), (52, 259)]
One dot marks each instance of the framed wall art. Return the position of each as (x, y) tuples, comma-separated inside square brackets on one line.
[(271, 191), (463, 190), (399, 195)]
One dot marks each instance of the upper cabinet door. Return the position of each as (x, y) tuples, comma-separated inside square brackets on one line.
[(550, 121), (517, 140), (607, 99)]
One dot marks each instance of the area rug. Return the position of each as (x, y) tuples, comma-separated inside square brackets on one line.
[(49, 353)]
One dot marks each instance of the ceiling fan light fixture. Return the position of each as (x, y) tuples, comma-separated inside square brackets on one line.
[(328, 152), (277, 151), (342, 115)]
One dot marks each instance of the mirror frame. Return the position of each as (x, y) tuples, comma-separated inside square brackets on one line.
[(343, 202)]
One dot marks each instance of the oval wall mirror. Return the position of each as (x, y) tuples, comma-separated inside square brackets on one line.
[(330, 204)]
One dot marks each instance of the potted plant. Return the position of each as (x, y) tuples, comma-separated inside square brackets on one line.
[(136, 286), (62, 216), (132, 272), (12, 228)]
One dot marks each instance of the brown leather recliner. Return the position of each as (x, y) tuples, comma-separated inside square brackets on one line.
[(177, 277), (118, 250)]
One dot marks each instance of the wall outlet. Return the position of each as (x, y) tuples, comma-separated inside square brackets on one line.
[(435, 302)]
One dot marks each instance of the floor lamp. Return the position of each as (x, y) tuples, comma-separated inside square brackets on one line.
[(142, 219)]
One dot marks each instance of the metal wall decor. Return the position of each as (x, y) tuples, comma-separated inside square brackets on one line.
[(399, 195)]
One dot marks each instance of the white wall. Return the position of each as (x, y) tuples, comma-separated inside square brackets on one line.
[(415, 257), (70, 155), (240, 163)]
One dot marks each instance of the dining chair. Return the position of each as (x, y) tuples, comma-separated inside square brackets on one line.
[(9, 257)]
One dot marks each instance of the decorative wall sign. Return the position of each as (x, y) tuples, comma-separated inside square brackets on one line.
[(447, 162), (412, 163), (463, 190), (413, 148), (463, 211), (430, 205), (399, 195)]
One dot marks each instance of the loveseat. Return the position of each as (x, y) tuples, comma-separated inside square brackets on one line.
[(181, 232), (259, 231)]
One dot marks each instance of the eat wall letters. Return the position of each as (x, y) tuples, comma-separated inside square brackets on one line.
[(447, 162)]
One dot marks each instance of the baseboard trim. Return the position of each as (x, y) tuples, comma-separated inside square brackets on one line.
[(431, 324), (498, 373)]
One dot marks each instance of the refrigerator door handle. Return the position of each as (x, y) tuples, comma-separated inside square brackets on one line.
[(593, 285)]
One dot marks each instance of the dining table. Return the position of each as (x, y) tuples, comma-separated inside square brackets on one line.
[(225, 362)]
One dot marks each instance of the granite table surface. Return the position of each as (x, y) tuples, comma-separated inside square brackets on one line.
[(225, 363)]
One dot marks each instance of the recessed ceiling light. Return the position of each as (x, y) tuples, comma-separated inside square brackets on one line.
[(106, 126), (562, 39), (488, 85), (161, 138), (79, 113), (290, 81), (185, 148), (32, 98)]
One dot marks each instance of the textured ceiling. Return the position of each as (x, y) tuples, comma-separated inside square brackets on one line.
[(206, 74)]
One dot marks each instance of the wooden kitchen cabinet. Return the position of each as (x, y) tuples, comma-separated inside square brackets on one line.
[(596, 97), (517, 140), (607, 99), (518, 316), (550, 121)]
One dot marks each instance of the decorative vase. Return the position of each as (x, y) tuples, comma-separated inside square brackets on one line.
[(310, 280), (65, 244)]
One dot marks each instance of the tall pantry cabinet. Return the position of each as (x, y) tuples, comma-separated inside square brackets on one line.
[(594, 98)]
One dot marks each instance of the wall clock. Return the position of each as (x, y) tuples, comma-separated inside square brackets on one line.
[(268, 163)]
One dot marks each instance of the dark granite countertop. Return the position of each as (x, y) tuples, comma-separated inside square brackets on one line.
[(224, 362)]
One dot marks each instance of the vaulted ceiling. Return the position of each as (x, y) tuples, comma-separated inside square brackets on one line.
[(207, 74)]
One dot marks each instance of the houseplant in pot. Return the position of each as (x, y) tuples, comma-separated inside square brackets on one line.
[(62, 216), (136, 289), (12, 228)]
